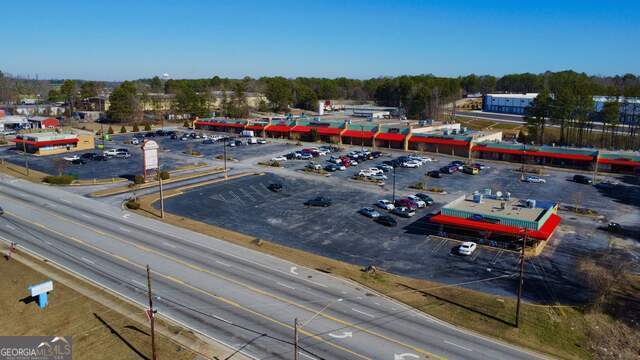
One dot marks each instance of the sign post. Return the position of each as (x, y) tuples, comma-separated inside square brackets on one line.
[(40, 291)]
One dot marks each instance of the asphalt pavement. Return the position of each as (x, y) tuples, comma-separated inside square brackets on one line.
[(240, 297)]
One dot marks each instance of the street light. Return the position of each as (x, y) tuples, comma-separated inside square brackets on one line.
[(362, 137)]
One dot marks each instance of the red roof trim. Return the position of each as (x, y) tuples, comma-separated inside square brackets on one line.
[(358, 134), (543, 234), (534, 153), (390, 137), (221, 124), (619, 162), (329, 131), (432, 140), (47, 142), (301, 129), (279, 128), (254, 127)]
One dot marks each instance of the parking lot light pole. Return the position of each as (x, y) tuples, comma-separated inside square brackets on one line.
[(394, 185), (362, 137), (26, 158), (161, 195), (224, 155)]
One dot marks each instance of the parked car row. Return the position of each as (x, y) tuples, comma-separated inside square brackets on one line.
[(458, 166), (403, 207)]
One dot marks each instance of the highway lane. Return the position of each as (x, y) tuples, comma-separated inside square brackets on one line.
[(283, 292)]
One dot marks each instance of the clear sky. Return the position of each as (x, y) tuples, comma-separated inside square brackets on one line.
[(130, 39)]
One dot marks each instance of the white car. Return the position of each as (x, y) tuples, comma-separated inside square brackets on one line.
[(378, 177), (535, 179), (467, 248), (110, 152), (135, 141), (322, 152), (279, 158), (205, 137), (418, 201), (366, 173), (375, 171), (72, 158), (385, 204), (410, 164), (262, 141), (341, 167)]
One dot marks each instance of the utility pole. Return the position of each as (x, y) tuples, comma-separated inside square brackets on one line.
[(151, 316), (362, 137), (26, 158), (295, 339), (521, 280)]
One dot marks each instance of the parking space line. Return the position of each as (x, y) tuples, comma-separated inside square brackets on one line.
[(495, 258), (247, 194), (475, 255), (237, 197), (437, 247)]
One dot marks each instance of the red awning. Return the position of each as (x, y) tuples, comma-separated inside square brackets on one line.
[(433, 140), (301, 129), (543, 234), (624, 162), (210, 123), (234, 125), (279, 128), (390, 137), (47, 142), (358, 134), (534, 153), (329, 131), (254, 127)]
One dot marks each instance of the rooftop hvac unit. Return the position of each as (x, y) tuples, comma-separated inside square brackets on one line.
[(487, 191), (463, 130), (454, 131), (477, 198), (445, 132), (503, 205), (498, 194), (531, 203), (508, 196)]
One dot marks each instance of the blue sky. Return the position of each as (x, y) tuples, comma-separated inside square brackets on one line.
[(117, 40)]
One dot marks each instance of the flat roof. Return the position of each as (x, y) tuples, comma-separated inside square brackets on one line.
[(515, 96), (492, 207)]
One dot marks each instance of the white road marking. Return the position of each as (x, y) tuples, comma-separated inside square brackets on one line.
[(126, 216), (139, 283), (221, 319), (307, 356), (456, 345), (87, 260), (285, 285), (344, 335), (223, 263), (169, 244), (363, 313), (404, 356), (293, 270), (10, 226), (53, 205), (123, 229), (65, 201), (48, 242), (317, 283), (86, 216)]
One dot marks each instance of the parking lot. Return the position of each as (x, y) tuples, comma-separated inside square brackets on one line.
[(339, 232)]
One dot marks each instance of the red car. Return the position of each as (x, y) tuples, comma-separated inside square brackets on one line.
[(345, 161), (408, 203)]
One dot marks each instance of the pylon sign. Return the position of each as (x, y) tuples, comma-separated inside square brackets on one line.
[(150, 156), (40, 291)]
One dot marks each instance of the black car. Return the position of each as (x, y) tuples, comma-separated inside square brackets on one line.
[(291, 156), (386, 220), (331, 168), (376, 154), (434, 174), (78, 161), (581, 179), (161, 132), (319, 201), (150, 135), (275, 187), (88, 156), (448, 169), (100, 158), (614, 227), (173, 136), (426, 198), (193, 135), (208, 141)]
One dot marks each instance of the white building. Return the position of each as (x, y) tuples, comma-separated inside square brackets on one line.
[(507, 103)]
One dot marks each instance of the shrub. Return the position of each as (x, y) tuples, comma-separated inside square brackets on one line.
[(135, 128), (147, 127), (133, 204), (138, 179), (195, 153), (299, 143), (123, 130), (59, 179), (110, 131), (186, 124), (165, 175), (417, 186), (98, 132)]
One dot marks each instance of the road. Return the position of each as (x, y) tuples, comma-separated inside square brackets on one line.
[(239, 297)]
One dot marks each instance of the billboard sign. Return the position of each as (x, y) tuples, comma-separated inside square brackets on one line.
[(150, 155)]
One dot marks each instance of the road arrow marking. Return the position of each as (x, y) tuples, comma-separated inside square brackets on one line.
[(293, 270), (344, 335), (404, 356)]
